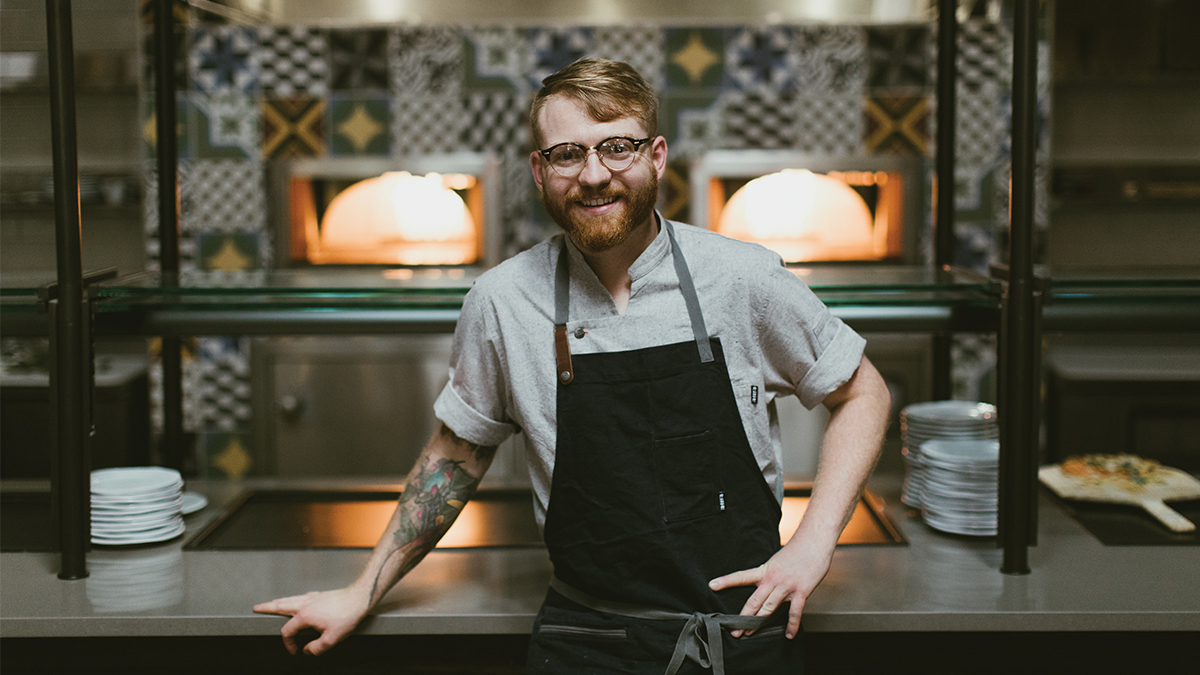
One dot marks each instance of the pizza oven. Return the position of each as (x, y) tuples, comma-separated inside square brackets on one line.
[(812, 209), (408, 212)]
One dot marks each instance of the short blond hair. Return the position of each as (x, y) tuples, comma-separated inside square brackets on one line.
[(608, 89)]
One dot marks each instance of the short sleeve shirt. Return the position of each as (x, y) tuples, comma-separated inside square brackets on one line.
[(777, 336)]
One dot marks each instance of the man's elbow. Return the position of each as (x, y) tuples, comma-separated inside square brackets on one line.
[(868, 390)]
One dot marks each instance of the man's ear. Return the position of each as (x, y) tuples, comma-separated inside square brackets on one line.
[(658, 155), (535, 165)]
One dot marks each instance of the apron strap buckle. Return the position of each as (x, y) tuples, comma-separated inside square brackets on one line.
[(562, 355)]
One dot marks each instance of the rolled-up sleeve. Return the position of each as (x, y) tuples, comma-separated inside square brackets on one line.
[(806, 349), (473, 403)]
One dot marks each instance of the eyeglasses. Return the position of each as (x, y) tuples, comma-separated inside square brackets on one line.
[(615, 153)]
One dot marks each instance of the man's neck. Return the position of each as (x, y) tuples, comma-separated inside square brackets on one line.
[(612, 266)]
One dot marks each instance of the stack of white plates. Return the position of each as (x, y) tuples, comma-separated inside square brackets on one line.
[(136, 505), (950, 420), (960, 485), (136, 580)]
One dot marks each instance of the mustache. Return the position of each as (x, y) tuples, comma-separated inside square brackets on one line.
[(603, 193)]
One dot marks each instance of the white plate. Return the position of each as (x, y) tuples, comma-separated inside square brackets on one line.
[(950, 411), (134, 480), (152, 537), (173, 504), (961, 452), (193, 502)]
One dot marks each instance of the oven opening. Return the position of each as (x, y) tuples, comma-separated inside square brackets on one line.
[(422, 211), (811, 209), (809, 217), (396, 218)]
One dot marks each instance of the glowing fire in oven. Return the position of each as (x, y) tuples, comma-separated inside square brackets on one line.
[(399, 218), (805, 216)]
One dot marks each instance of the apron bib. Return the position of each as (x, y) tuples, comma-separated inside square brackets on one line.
[(655, 491)]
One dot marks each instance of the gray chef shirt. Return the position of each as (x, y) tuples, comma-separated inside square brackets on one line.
[(778, 339)]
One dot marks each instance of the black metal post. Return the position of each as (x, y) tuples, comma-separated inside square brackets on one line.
[(1020, 337), (72, 487), (168, 223), (944, 241)]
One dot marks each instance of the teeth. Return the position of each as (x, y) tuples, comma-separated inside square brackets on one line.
[(598, 202)]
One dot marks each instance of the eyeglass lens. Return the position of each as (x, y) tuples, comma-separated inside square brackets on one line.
[(615, 153)]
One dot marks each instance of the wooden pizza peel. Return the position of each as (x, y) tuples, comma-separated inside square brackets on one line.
[(1169, 484)]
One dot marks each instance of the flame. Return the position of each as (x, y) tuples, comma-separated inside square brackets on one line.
[(804, 216), (402, 219)]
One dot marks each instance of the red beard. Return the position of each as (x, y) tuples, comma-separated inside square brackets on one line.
[(601, 233)]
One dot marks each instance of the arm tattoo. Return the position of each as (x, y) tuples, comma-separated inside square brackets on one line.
[(432, 499), (481, 452)]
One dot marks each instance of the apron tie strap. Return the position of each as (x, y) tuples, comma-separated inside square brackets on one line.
[(562, 292), (700, 639)]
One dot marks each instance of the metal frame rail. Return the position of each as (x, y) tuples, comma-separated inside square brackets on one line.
[(1019, 328)]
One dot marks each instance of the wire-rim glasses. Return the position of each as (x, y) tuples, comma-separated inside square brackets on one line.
[(616, 154)]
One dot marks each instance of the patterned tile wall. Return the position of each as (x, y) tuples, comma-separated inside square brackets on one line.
[(250, 95)]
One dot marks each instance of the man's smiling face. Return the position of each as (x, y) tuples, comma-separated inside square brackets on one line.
[(598, 208)]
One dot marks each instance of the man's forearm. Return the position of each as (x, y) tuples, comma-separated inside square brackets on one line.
[(444, 478), (853, 438)]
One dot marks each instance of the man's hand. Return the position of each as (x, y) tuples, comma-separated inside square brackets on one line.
[(332, 614), (789, 576)]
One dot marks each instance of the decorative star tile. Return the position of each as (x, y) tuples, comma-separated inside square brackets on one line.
[(757, 59), (360, 126), (293, 127), (897, 124), (695, 57), (497, 58), (222, 59), (224, 126), (555, 48)]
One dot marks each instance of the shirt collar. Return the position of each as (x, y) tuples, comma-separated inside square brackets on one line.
[(655, 253)]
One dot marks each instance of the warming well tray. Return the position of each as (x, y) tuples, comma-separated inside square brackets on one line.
[(314, 519)]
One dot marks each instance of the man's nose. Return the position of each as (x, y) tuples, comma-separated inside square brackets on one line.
[(594, 172)]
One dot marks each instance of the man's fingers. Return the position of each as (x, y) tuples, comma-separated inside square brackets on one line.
[(286, 606), (289, 632), (743, 578), (793, 624)]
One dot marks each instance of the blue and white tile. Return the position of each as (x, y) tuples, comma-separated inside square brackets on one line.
[(293, 61), (554, 48), (498, 58), (898, 57), (831, 59), (495, 122), (830, 125), (427, 125), (224, 125), (643, 47), (426, 61), (223, 59), (762, 58), (226, 196), (762, 118), (358, 60)]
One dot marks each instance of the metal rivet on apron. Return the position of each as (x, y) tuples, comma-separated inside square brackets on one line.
[(566, 375), (579, 333)]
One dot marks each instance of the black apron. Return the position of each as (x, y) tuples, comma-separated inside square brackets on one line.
[(655, 492)]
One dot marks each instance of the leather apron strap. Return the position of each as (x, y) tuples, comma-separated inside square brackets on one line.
[(700, 639)]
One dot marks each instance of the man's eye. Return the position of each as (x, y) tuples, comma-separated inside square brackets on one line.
[(618, 146), (566, 154)]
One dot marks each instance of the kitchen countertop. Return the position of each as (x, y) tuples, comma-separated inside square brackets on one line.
[(935, 582)]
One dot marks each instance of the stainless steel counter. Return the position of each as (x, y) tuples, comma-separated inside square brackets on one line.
[(936, 582)]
